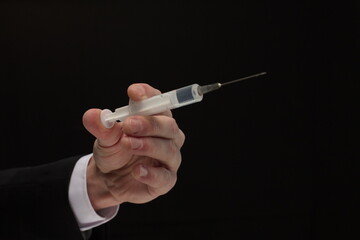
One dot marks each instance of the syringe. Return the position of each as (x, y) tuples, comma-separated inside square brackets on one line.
[(165, 101)]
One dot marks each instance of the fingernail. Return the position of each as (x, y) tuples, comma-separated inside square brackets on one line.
[(135, 125), (136, 143), (143, 171)]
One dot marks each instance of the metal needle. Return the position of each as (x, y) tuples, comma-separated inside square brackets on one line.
[(242, 79), (212, 87)]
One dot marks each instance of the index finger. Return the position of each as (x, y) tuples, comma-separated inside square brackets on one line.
[(142, 91)]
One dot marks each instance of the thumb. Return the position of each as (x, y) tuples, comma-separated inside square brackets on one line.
[(106, 136)]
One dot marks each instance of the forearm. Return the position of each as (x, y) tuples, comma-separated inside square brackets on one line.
[(35, 200)]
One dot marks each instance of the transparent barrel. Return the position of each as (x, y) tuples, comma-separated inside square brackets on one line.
[(154, 105)]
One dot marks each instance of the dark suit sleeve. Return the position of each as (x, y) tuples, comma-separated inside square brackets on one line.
[(34, 203)]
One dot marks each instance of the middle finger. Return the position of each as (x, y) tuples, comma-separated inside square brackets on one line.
[(154, 126)]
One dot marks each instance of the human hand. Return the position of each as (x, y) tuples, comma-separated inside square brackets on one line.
[(135, 161)]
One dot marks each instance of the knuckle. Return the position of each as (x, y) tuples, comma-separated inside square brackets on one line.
[(174, 156), (154, 124), (173, 127), (172, 148), (174, 180), (177, 161), (169, 181), (182, 137)]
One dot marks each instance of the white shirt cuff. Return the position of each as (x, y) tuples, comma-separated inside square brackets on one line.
[(85, 214)]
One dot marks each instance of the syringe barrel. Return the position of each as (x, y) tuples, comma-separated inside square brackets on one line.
[(185, 96), (154, 105)]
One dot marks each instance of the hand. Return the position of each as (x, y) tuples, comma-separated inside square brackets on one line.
[(135, 161)]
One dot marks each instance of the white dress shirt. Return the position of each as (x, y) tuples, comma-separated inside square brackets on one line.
[(85, 214)]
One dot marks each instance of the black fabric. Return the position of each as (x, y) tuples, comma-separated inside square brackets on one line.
[(34, 203)]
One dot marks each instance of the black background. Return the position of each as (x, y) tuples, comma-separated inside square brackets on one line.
[(272, 157)]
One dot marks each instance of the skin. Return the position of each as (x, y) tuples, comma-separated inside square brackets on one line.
[(135, 161)]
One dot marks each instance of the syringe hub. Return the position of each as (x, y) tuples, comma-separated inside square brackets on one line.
[(208, 88)]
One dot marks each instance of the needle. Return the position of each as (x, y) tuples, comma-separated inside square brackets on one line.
[(242, 79), (212, 87)]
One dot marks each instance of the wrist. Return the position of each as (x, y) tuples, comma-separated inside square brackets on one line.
[(99, 195)]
